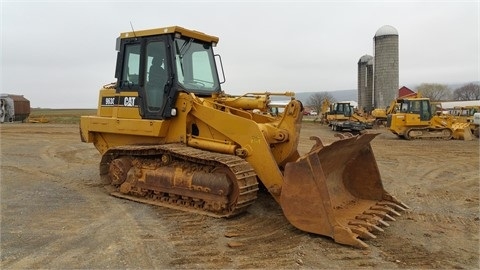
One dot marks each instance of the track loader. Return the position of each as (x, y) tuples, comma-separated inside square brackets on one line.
[(466, 114), (169, 136), (342, 116), (418, 118)]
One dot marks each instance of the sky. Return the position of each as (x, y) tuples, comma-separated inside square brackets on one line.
[(59, 53)]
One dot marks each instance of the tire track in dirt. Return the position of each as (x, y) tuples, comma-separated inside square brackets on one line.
[(441, 208), (85, 225), (261, 232), (249, 240), (106, 239)]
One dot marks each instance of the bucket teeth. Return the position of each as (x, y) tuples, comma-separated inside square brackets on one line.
[(383, 223), (387, 216), (369, 226), (386, 209), (373, 219), (369, 221), (379, 213), (393, 205), (362, 232), (404, 205)]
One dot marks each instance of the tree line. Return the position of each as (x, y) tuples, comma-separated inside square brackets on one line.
[(433, 91), (441, 92)]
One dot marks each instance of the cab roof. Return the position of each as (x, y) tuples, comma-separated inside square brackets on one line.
[(170, 30)]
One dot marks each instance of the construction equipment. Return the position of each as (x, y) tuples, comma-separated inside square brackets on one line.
[(342, 116), (465, 114), (41, 119), (476, 121), (419, 118), (170, 136), (381, 115), (13, 108)]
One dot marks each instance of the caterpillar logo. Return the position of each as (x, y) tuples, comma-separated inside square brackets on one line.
[(129, 101), (119, 101)]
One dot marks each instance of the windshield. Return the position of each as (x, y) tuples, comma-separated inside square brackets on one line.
[(195, 66)]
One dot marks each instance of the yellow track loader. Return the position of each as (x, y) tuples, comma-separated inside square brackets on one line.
[(466, 115), (342, 116), (417, 118), (170, 136)]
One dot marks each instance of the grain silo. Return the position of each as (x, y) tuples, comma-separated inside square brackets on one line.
[(365, 82), (385, 66)]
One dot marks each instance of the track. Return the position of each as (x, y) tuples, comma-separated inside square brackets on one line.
[(427, 133), (225, 185)]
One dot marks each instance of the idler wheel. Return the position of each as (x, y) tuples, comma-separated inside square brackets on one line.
[(118, 170)]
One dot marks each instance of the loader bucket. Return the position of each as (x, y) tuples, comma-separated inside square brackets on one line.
[(462, 131), (336, 190)]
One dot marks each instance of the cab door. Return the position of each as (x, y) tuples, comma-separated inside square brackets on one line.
[(142, 68), (155, 78)]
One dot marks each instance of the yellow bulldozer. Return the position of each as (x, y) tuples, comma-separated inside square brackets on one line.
[(417, 117), (381, 115), (342, 116), (170, 136), (466, 114)]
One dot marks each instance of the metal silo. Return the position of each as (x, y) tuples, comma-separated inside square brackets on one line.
[(385, 66), (365, 82)]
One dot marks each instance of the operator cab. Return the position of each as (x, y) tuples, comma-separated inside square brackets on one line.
[(159, 63), (341, 108), (420, 107)]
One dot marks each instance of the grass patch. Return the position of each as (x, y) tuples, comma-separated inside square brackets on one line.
[(60, 116)]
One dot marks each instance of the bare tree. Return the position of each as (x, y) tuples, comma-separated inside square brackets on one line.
[(469, 91), (316, 100), (435, 91)]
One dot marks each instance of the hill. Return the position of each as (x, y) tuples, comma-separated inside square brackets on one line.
[(339, 95), (352, 95)]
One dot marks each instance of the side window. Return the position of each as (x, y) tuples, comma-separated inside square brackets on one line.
[(201, 71), (416, 107), (404, 106), (131, 65), (425, 113), (348, 110)]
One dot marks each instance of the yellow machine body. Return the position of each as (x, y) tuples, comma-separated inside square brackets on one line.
[(466, 114), (187, 145), (418, 118), (342, 116)]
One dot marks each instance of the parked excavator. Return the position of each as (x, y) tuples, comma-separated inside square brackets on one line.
[(170, 136), (418, 118)]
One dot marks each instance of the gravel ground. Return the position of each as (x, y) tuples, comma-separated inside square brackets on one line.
[(55, 213)]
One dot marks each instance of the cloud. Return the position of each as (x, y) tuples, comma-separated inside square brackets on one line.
[(59, 54)]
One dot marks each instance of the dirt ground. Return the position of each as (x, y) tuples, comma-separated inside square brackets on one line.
[(55, 213)]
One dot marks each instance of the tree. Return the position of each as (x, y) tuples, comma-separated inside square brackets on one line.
[(435, 91), (316, 100), (469, 91)]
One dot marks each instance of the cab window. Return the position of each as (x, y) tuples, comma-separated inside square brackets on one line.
[(131, 66), (195, 66)]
